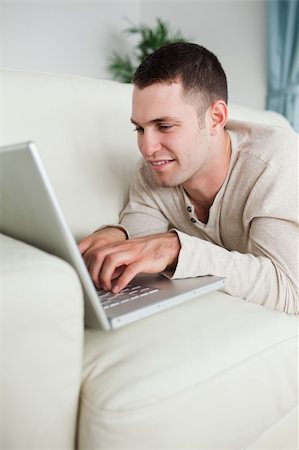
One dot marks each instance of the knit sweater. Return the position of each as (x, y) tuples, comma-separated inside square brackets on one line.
[(251, 237)]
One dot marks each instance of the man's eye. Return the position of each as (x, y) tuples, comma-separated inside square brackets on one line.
[(164, 127), (138, 129)]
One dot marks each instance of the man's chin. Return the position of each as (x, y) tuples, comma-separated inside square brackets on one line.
[(164, 182)]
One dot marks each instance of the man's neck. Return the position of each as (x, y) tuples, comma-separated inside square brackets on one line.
[(203, 190)]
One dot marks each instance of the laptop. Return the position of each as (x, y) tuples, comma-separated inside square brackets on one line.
[(30, 212)]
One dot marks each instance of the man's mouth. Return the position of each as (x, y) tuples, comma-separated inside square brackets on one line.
[(159, 164)]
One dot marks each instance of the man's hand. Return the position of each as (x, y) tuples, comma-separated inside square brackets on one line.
[(92, 244), (108, 260), (100, 238)]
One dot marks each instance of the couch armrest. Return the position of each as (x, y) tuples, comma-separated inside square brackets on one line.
[(41, 348)]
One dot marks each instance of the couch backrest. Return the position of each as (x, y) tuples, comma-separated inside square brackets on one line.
[(83, 132)]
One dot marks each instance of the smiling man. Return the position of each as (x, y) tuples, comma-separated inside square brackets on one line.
[(209, 196)]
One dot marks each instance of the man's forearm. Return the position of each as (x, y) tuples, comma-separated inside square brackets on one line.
[(119, 230), (254, 278)]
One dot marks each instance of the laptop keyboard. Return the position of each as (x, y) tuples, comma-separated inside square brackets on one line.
[(131, 292)]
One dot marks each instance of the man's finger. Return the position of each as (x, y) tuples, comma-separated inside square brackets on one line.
[(126, 277), (84, 246), (113, 261)]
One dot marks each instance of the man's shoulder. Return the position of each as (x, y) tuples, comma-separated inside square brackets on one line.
[(265, 143)]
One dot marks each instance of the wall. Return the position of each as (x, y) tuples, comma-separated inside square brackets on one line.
[(77, 37), (68, 37), (234, 30)]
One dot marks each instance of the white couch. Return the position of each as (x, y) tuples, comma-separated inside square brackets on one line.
[(215, 373)]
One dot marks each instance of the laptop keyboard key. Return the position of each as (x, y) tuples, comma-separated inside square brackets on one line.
[(109, 299)]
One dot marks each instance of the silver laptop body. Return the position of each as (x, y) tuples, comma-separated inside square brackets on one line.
[(30, 212)]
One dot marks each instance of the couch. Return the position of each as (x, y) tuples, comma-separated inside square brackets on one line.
[(214, 373)]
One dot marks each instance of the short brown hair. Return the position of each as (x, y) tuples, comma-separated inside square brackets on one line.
[(194, 66)]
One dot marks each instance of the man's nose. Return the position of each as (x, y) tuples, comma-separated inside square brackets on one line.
[(149, 143)]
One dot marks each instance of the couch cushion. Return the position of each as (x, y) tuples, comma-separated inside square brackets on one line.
[(283, 435), (83, 132), (213, 373), (41, 348)]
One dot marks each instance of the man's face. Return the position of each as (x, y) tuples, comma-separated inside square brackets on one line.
[(170, 136)]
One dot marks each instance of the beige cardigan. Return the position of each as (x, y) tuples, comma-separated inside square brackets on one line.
[(251, 237)]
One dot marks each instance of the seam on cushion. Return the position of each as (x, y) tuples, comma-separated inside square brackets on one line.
[(63, 268), (188, 390), (53, 261)]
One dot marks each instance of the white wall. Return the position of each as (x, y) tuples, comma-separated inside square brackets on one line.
[(235, 30), (64, 36), (77, 37)]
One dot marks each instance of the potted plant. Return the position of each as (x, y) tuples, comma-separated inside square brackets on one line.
[(122, 68)]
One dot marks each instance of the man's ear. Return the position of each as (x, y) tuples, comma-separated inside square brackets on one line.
[(218, 115)]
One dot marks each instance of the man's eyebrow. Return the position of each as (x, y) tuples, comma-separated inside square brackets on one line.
[(159, 120)]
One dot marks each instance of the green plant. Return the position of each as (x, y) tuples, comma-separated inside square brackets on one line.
[(122, 68)]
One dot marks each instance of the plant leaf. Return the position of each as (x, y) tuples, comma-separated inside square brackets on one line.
[(121, 68), (150, 39)]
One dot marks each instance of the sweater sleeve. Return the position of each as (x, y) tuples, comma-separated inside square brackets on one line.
[(254, 278), (267, 273)]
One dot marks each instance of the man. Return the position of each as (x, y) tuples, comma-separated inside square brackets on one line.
[(208, 197)]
